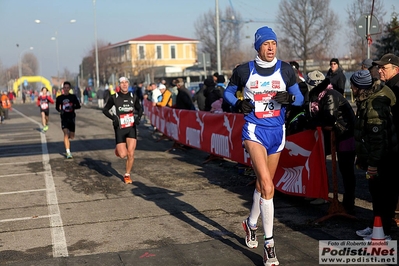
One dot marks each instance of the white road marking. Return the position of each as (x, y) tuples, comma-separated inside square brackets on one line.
[(35, 173), (22, 191), (60, 248), (24, 218)]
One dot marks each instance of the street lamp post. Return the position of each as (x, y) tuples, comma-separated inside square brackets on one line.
[(38, 21), (95, 44), (58, 58), (20, 66)]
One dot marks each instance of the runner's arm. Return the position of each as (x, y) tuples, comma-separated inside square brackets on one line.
[(108, 107)]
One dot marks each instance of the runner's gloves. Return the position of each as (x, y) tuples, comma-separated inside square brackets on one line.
[(245, 106), (283, 97), (137, 120), (115, 121)]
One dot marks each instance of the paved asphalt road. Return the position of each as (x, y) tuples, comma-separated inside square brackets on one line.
[(178, 211)]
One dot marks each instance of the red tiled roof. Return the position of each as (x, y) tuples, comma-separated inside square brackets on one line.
[(153, 38), (159, 38)]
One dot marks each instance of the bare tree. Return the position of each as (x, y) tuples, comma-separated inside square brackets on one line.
[(358, 44), (67, 75), (29, 65), (307, 29), (230, 37)]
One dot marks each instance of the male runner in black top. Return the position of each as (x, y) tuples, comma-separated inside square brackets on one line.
[(66, 104), (124, 121)]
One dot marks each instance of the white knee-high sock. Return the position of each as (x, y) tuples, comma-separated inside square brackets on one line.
[(255, 210), (267, 214)]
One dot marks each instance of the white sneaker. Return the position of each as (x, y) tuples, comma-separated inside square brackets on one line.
[(365, 232), (250, 239), (269, 255)]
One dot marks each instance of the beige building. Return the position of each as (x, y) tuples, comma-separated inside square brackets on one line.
[(149, 57)]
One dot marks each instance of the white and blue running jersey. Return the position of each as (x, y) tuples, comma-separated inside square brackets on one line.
[(260, 90)]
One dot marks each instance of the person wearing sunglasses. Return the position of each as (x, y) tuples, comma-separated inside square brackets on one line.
[(388, 68), (336, 76)]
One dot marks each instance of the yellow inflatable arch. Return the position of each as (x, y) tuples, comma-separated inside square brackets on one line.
[(43, 80)]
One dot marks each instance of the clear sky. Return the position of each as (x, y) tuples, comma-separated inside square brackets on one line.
[(117, 20)]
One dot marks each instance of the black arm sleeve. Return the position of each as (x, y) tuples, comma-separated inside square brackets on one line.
[(57, 104), (108, 107)]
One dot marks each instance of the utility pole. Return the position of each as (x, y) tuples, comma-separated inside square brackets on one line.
[(219, 67)]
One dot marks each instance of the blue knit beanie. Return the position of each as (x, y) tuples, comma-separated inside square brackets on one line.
[(362, 79), (264, 34)]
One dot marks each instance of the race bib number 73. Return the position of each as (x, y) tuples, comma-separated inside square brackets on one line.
[(265, 106)]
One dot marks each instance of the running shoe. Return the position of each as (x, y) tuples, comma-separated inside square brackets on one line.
[(127, 179), (365, 232), (269, 255), (45, 128), (69, 155), (250, 238)]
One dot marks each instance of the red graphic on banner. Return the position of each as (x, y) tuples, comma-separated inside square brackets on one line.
[(301, 170)]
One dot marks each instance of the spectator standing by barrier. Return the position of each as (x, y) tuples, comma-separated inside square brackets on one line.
[(166, 97), (157, 94), (200, 98), (376, 147), (66, 104), (43, 101), (125, 123), (330, 110), (211, 93), (263, 133), (173, 89), (336, 76), (183, 98), (388, 69)]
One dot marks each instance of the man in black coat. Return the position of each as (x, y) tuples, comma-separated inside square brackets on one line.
[(336, 76), (388, 68), (183, 98)]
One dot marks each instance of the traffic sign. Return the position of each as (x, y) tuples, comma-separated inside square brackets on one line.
[(204, 60), (362, 25)]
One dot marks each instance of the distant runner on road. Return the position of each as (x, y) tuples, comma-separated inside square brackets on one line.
[(43, 102), (66, 104)]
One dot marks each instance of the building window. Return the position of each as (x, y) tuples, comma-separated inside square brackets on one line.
[(173, 54), (128, 56), (159, 52), (141, 52), (122, 54)]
